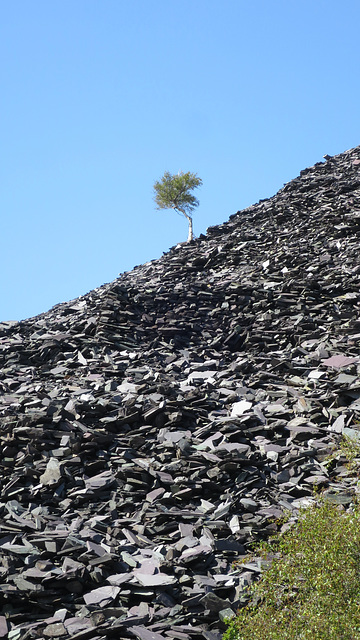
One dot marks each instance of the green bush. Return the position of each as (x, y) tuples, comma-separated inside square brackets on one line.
[(312, 588)]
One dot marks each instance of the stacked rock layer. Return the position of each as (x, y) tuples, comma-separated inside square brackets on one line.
[(154, 428)]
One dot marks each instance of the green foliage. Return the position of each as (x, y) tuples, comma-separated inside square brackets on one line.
[(174, 192), (312, 589)]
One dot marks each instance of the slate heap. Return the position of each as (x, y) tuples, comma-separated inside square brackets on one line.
[(155, 427)]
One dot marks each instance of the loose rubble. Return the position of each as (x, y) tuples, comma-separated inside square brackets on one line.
[(154, 428)]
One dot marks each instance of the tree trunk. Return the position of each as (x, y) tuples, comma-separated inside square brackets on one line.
[(189, 219), (190, 234)]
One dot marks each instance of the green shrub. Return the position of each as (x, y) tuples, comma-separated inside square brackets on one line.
[(311, 590)]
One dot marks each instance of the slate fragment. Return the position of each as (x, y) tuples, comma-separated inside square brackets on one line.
[(3, 627), (144, 634)]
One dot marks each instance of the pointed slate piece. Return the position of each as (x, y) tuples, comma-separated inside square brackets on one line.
[(156, 580), (52, 473), (3, 627), (99, 481), (118, 579), (338, 425), (212, 602), (156, 493), (101, 596), (144, 634), (339, 361)]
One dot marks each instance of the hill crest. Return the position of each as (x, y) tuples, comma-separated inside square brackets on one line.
[(153, 428)]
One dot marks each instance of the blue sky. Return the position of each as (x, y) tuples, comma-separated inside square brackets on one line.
[(100, 97)]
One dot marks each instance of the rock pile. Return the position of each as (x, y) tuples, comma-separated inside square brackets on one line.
[(154, 428)]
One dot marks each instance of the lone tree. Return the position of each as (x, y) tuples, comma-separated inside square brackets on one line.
[(173, 192)]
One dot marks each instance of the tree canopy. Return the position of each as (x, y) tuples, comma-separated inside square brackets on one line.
[(173, 191)]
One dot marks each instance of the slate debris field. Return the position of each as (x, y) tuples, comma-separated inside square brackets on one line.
[(152, 429)]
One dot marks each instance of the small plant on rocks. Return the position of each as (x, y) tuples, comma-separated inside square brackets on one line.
[(349, 449)]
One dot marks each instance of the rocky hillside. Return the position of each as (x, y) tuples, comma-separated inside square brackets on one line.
[(154, 428)]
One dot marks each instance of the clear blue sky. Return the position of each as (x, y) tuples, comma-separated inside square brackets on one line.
[(100, 97)]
